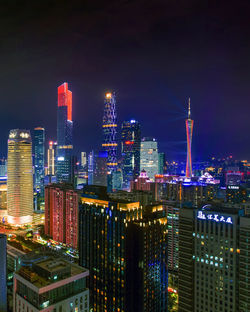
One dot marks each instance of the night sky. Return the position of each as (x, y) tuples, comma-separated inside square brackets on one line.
[(154, 54)]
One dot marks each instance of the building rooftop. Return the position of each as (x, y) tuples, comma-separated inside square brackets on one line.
[(51, 270), (222, 208)]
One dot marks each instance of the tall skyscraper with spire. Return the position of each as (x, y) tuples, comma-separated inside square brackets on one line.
[(109, 127), (189, 130), (64, 133)]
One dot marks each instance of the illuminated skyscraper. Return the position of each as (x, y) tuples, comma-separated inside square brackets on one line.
[(20, 177), (51, 158), (189, 130), (149, 157), (110, 131), (39, 140), (64, 133), (130, 148)]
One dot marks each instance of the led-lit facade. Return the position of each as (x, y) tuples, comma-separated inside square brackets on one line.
[(51, 158), (20, 177), (61, 214), (189, 131), (64, 133), (126, 254), (149, 157), (130, 150), (109, 127), (39, 154)]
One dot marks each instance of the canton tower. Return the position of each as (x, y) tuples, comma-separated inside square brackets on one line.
[(189, 130), (109, 127)]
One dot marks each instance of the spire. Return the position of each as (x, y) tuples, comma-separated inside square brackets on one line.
[(189, 109)]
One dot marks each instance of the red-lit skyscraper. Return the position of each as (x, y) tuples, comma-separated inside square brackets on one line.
[(64, 133), (61, 214), (189, 130), (65, 99)]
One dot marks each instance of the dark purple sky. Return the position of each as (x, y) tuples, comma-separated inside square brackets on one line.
[(154, 54)]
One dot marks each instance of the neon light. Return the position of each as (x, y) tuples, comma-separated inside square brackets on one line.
[(109, 144), (109, 126), (214, 217), (129, 142)]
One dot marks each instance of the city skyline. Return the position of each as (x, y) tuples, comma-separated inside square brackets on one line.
[(175, 53)]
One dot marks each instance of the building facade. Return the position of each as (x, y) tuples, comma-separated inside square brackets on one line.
[(61, 214), (109, 127), (213, 262), (20, 177), (149, 157)]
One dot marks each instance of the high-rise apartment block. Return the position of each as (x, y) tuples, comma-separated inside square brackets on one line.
[(149, 157), (109, 127), (130, 149), (39, 154), (125, 250), (214, 259), (51, 284), (64, 133), (20, 177), (61, 214)]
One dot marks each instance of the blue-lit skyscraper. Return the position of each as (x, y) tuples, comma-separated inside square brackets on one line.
[(64, 133), (39, 152), (3, 273), (130, 149), (110, 131)]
